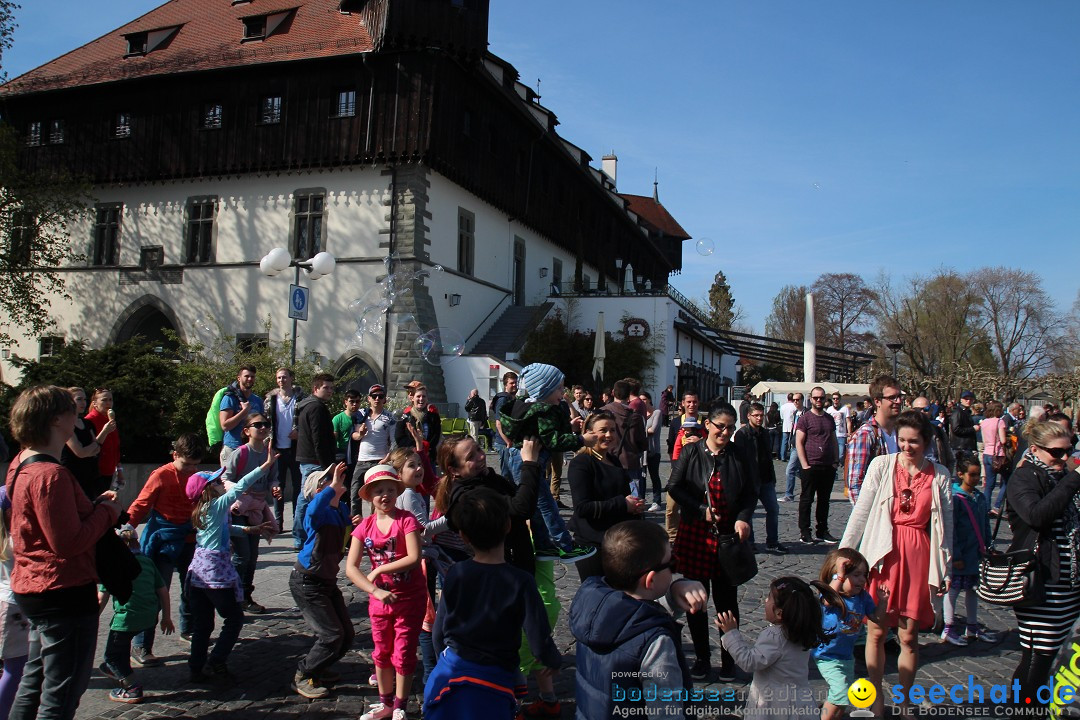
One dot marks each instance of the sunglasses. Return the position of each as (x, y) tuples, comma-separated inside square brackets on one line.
[(259, 425), (669, 565), (907, 500), (1055, 452), (722, 427), (377, 396)]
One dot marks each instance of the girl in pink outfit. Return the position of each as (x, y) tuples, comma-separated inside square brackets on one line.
[(398, 594)]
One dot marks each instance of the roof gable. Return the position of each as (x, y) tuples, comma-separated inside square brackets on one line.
[(204, 35), (655, 214)]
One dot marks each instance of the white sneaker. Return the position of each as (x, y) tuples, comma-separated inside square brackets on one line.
[(379, 711), (373, 681), (654, 507), (399, 714)]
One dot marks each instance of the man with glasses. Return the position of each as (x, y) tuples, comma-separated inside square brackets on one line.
[(754, 439), (815, 442), (962, 424), (877, 436), (792, 472), (374, 430)]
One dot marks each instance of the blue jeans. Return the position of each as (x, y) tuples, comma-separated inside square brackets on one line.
[(245, 554), (548, 528), (58, 667), (767, 497), (991, 480), (785, 447), (774, 441), (793, 468), (504, 459), (166, 567), (299, 536)]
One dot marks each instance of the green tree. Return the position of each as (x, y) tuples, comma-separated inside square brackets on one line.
[(721, 305), (36, 210)]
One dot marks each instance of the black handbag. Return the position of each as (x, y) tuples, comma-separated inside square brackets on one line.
[(117, 566), (737, 560), (1012, 578)]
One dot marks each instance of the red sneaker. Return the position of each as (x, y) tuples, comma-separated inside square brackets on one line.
[(542, 709)]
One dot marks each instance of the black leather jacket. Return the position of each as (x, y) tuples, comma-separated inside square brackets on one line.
[(691, 475)]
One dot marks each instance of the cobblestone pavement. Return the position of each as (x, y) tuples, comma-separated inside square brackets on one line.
[(271, 644)]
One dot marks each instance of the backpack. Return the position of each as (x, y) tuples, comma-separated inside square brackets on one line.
[(214, 433)]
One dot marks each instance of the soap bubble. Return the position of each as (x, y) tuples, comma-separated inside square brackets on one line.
[(440, 346), (705, 247)]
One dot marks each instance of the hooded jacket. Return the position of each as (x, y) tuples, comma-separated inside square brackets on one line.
[(315, 444), (550, 423), (630, 438), (617, 636)]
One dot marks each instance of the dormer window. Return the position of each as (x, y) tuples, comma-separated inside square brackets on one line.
[(147, 41), (260, 27), (136, 44), (255, 28)]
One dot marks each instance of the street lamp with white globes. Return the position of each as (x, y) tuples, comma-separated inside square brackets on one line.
[(278, 260)]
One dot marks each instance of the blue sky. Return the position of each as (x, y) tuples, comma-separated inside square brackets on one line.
[(800, 137)]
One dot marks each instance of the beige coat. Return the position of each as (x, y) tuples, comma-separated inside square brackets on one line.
[(870, 531)]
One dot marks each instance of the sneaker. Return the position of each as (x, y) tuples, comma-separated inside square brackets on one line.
[(655, 507), (373, 681), (141, 657), (542, 709), (980, 632), (548, 553), (399, 714), (198, 676), (777, 548), (107, 671), (726, 675), (184, 638), (379, 711), (309, 687), (575, 553), (785, 499), (220, 672), (129, 695), (700, 669), (950, 635), (827, 538), (806, 539), (253, 607), (561, 505)]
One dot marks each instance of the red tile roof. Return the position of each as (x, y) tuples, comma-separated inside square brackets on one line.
[(652, 212), (209, 38)]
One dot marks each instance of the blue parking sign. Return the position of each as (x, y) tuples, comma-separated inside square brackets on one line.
[(298, 302)]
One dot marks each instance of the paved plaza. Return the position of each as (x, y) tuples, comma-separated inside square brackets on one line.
[(265, 658)]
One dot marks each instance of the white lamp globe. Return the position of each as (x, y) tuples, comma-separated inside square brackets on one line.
[(322, 264), (279, 259)]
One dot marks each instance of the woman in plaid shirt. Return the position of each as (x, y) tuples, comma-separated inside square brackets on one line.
[(717, 466)]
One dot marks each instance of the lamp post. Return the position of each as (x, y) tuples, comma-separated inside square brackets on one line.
[(895, 347), (678, 362), (277, 260)]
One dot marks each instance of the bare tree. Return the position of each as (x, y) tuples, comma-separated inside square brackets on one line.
[(937, 319), (847, 305), (787, 321), (1018, 318)]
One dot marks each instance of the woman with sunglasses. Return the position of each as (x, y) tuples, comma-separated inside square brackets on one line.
[(1042, 510), (717, 470), (588, 406), (251, 515), (903, 526)]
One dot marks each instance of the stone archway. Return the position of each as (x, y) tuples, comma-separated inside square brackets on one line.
[(148, 317), (362, 367)]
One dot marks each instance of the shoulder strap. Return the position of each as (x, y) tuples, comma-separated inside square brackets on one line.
[(35, 458), (974, 523)]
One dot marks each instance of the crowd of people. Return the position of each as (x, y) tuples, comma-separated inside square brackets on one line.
[(457, 560)]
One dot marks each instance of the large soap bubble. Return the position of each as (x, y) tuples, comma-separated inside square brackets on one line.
[(705, 247), (440, 346)]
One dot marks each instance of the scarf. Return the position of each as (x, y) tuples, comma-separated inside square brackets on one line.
[(1070, 518)]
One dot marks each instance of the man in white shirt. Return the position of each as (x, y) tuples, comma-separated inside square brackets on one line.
[(841, 415), (280, 404), (375, 432), (787, 418)]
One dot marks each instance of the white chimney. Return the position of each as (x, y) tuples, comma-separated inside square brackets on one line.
[(609, 165)]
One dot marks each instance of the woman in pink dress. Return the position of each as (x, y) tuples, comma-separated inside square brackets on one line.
[(902, 524)]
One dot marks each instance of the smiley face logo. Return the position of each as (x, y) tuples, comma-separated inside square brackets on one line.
[(862, 693)]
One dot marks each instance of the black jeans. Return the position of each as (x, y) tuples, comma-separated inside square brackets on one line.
[(287, 467), (323, 607), (165, 566), (652, 461), (817, 481), (204, 602), (118, 654), (58, 667), (725, 597)]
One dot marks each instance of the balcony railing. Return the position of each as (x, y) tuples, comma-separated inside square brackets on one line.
[(567, 289)]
